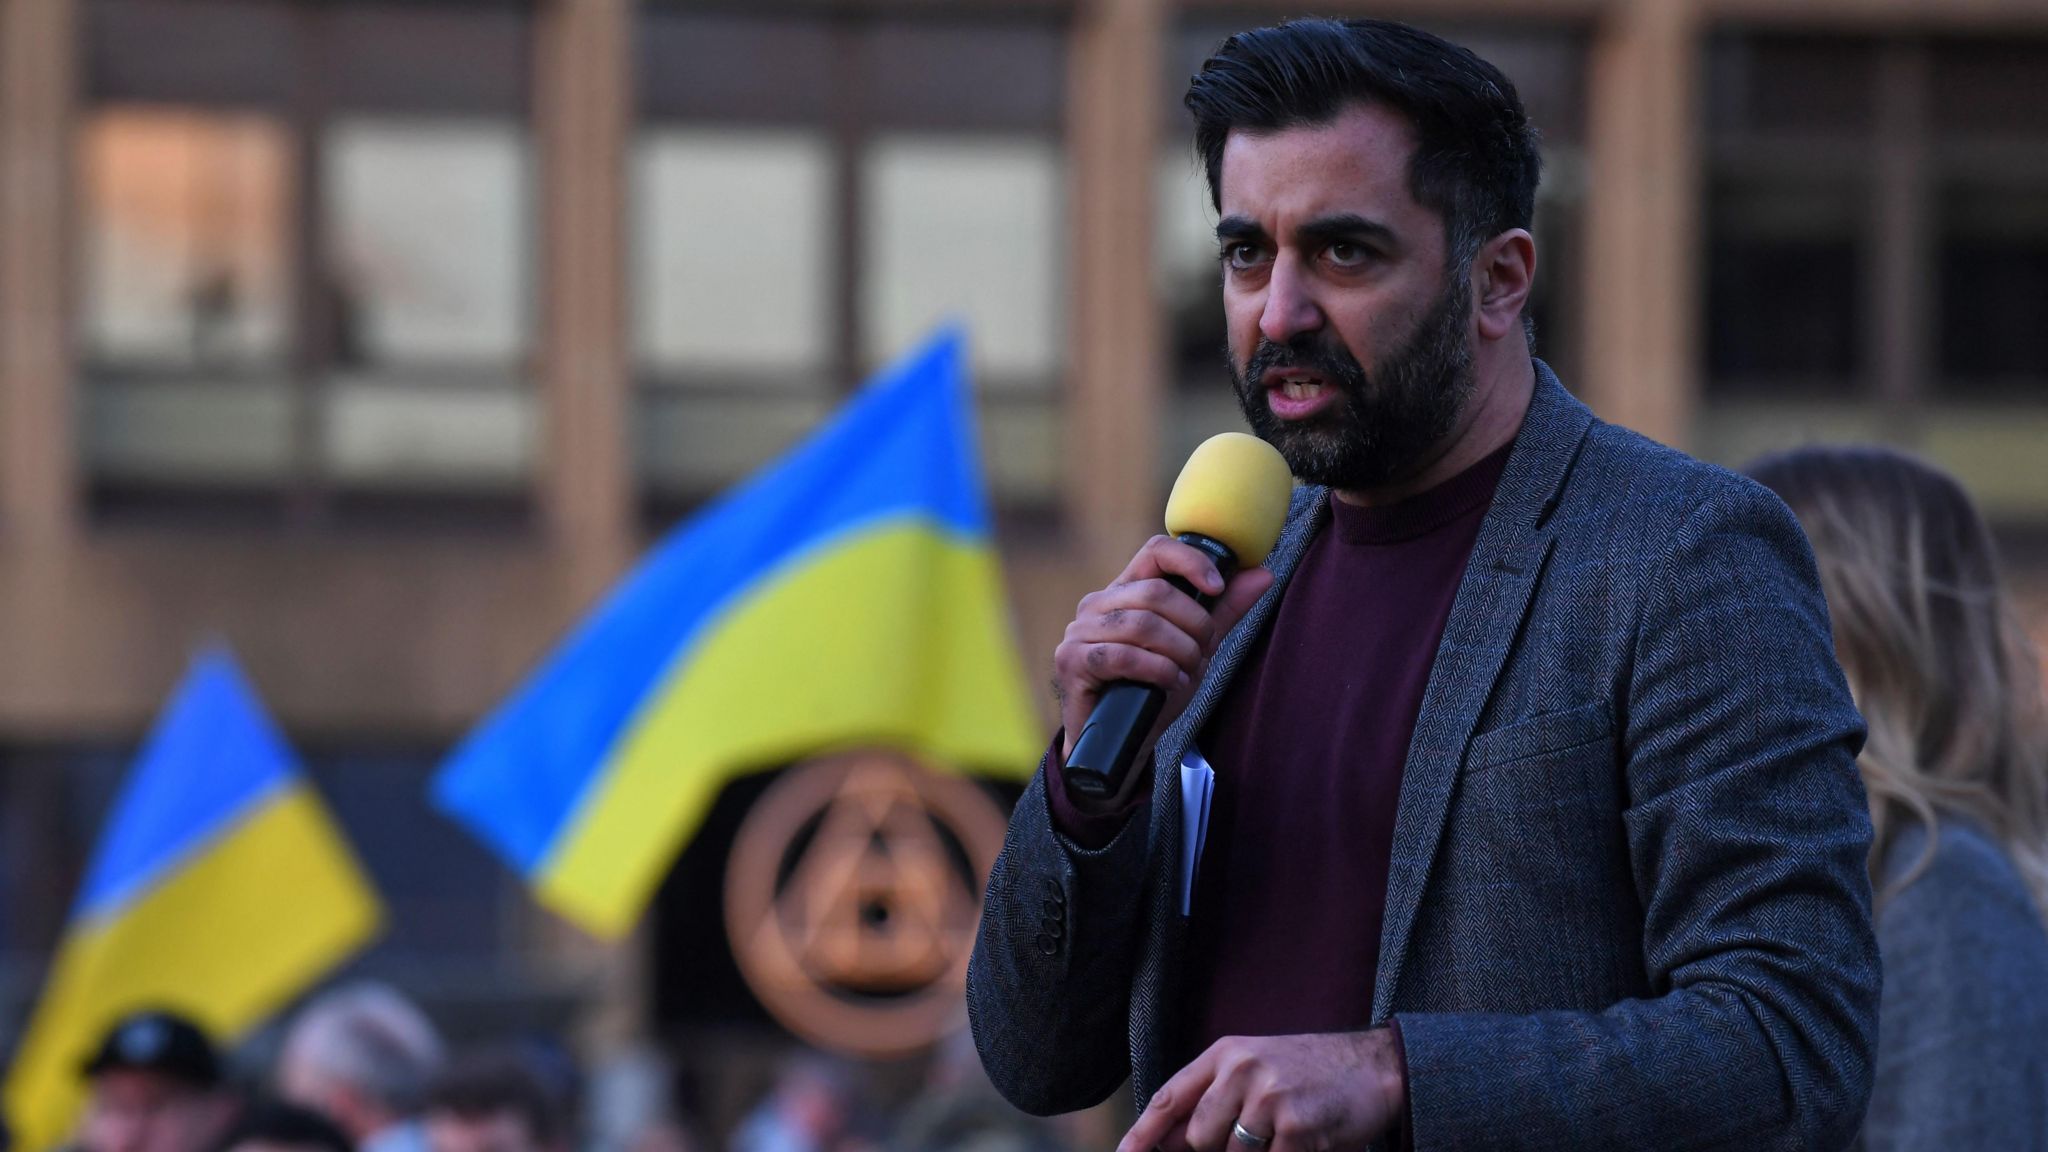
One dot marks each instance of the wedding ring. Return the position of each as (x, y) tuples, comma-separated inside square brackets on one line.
[(1245, 1138)]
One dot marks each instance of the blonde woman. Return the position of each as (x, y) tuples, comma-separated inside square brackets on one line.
[(1957, 770)]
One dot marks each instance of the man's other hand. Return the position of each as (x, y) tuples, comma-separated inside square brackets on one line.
[(1338, 1090)]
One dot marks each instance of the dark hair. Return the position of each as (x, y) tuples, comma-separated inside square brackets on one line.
[(481, 1084), (1476, 162), (274, 1122)]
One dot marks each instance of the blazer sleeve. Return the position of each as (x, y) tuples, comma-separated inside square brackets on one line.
[(1748, 837), (1049, 983)]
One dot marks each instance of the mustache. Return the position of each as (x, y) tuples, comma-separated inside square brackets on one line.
[(1331, 362)]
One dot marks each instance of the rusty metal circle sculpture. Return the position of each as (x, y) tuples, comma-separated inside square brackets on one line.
[(851, 900)]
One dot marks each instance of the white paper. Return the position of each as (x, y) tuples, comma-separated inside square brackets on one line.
[(1197, 786)]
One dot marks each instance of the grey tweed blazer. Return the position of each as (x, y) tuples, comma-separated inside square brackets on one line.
[(1628, 905)]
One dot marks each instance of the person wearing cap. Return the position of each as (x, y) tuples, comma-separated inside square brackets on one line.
[(155, 1086)]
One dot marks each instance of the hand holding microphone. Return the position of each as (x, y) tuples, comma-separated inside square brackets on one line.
[(1136, 649)]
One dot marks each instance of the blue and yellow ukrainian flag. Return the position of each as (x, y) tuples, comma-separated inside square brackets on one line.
[(847, 595), (219, 889)]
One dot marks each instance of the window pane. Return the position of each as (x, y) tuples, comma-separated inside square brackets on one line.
[(966, 228), (186, 309), (692, 444), (429, 277), (429, 225), (427, 432), (733, 253), (1996, 88), (1184, 225), (193, 432), (185, 238), (1776, 84), (1190, 287), (1021, 434), (1783, 276), (1994, 289)]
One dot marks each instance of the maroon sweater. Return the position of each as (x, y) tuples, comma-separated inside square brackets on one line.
[(1308, 745)]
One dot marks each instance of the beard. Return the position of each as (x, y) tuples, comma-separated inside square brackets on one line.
[(1384, 423)]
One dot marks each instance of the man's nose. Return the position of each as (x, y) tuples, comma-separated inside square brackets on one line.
[(1290, 307)]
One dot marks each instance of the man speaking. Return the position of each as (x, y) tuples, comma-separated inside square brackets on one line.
[(1535, 821)]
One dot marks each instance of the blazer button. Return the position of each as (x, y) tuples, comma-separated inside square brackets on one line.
[(1055, 909), (1053, 891), (1047, 946), (1053, 928)]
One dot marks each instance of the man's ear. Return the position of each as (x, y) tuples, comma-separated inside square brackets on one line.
[(1503, 273)]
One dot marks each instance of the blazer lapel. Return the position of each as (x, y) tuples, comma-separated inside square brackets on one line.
[(1486, 615)]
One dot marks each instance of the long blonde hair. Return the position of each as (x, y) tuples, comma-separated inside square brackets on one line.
[(1947, 678)]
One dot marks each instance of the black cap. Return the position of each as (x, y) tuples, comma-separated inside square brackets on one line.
[(161, 1042)]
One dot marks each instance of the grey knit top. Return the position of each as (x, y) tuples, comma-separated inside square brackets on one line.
[(1962, 1056)]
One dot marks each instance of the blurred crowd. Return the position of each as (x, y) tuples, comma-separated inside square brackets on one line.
[(362, 1069)]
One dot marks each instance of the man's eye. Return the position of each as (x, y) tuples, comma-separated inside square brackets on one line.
[(1241, 255), (1348, 255)]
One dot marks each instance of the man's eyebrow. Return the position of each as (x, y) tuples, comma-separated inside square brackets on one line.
[(1239, 228), (1317, 232), (1344, 226)]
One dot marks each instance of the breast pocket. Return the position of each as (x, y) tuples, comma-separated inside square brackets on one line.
[(1542, 736), (1535, 850)]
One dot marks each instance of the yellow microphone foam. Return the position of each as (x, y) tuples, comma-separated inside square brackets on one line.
[(1234, 490)]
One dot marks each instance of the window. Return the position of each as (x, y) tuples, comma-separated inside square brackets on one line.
[(307, 266), (1784, 285), (966, 229), (427, 285), (188, 306), (188, 239), (1993, 305), (812, 196), (716, 297), (1877, 253), (734, 273)]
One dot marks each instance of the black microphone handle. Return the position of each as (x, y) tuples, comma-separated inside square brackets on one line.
[(1125, 712)]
